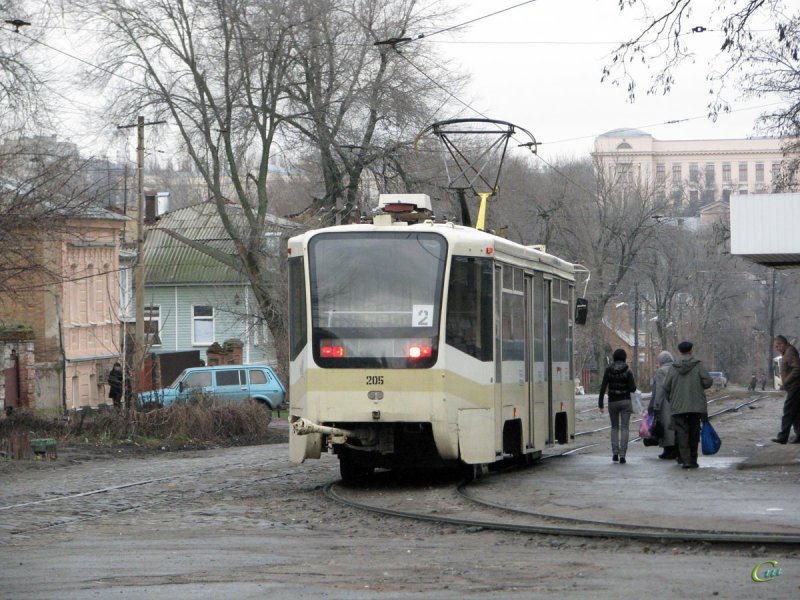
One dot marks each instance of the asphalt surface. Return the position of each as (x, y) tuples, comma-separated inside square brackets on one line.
[(245, 523)]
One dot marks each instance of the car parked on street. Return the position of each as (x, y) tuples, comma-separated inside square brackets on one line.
[(720, 381), (223, 383)]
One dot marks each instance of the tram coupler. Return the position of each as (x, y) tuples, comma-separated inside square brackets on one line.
[(302, 426)]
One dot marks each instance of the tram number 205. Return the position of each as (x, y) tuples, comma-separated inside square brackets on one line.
[(374, 379)]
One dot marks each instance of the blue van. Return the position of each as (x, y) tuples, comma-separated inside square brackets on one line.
[(225, 383)]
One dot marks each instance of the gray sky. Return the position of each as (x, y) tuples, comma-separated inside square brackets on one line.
[(539, 66)]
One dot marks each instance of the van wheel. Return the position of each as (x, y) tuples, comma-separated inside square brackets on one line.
[(264, 406)]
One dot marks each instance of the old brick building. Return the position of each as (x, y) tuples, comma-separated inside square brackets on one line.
[(69, 300)]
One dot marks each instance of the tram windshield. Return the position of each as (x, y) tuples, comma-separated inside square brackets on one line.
[(376, 298)]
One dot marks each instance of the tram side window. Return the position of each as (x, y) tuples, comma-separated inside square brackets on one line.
[(560, 312), (469, 307), (297, 307)]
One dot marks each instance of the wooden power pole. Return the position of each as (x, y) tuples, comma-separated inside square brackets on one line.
[(139, 271)]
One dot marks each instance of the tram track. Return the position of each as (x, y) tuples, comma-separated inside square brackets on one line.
[(572, 527), (549, 524), (89, 509)]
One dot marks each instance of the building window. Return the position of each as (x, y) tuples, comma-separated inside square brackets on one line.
[(726, 195), (742, 172), (126, 294), (726, 172), (152, 325), (710, 174), (694, 196), (203, 325), (694, 173), (677, 176), (759, 172), (661, 173), (776, 172), (624, 172)]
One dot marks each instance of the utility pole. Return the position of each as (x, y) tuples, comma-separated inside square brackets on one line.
[(636, 332), (139, 271)]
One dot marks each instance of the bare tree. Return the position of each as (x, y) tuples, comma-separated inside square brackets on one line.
[(359, 99), (605, 222), (36, 205), (755, 60), (21, 81), (217, 72)]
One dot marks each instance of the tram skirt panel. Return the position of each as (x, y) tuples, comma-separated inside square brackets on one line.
[(476, 436)]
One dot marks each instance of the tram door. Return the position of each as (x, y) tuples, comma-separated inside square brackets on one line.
[(540, 390)]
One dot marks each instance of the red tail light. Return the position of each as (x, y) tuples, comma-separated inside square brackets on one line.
[(331, 351), (415, 352)]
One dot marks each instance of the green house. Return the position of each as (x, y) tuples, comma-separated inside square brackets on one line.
[(192, 299)]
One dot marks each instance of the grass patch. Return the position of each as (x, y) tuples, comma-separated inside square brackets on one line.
[(178, 426)]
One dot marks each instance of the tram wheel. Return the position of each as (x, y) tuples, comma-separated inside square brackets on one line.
[(352, 470), (473, 472)]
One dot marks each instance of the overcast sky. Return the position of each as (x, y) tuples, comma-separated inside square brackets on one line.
[(539, 66)]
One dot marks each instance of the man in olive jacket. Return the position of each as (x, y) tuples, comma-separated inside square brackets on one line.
[(684, 385), (790, 381)]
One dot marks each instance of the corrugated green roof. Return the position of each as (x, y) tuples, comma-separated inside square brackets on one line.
[(172, 261)]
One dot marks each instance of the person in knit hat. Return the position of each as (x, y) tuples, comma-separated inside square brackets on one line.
[(618, 380), (659, 406), (685, 386)]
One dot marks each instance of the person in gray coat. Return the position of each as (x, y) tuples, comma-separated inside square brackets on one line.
[(659, 406), (685, 386)]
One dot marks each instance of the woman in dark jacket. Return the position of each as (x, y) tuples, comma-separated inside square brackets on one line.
[(618, 381)]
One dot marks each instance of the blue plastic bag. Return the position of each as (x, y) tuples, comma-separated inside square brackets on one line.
[(709, 439)]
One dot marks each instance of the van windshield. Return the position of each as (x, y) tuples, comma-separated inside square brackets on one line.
[(174, 384)]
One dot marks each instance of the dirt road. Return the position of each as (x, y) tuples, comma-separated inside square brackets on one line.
[(245, 523)]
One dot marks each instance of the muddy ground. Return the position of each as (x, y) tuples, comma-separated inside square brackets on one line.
[(246, 523)]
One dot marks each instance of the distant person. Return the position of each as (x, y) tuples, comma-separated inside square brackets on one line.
[(115, 385), (751, 387), (618, 380), (763, 382), (684, 386), (790, 380), (660, 407)]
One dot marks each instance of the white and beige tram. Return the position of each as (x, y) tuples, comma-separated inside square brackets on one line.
[(422, 343)]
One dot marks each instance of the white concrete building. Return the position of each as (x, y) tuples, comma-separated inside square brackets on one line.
[(694, 172)]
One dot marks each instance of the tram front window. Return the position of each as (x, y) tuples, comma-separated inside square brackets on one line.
[(376, 298)]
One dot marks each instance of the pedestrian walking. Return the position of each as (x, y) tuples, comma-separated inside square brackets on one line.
[(790, 381), (660, 407), (115, 385), (684, 387), (618, 381)]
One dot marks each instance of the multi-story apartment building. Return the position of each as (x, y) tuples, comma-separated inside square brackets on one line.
[(692, 172)]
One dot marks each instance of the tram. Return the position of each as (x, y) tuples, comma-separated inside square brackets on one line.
[(422, 343)]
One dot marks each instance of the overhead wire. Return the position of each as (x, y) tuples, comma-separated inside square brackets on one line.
[(449, 94)]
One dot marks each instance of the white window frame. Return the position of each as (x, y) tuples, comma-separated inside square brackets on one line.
[(195, 319), (148, 316)]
